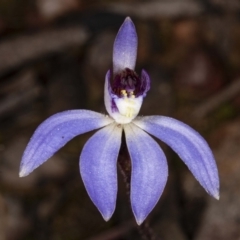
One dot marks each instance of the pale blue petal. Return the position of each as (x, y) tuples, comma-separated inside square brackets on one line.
[(149, 171), (145, 82), (108, 96), (189, 145), (125, 47), (55, 132), (98, 167)]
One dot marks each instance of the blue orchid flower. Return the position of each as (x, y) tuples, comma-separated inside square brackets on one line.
[(98, 160)]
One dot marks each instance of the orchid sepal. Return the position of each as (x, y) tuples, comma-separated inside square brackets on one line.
[(125, 47), (98, 168), (149, 171), (189, 145), (55, 132)]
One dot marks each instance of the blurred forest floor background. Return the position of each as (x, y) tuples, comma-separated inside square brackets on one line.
[(54, 55)]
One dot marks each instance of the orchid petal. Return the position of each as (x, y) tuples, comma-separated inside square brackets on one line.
[(189, 145), (98, 167), (145, 82), (149, 171), (125, 47), (55, 132), (108, 95)]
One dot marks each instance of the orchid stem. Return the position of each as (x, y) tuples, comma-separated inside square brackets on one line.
[(124, 164)]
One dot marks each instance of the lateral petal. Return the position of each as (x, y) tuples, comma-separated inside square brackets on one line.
[(189, 145), (108, 96), (125, 47), (55, 132), (149, 171), (98, 168)]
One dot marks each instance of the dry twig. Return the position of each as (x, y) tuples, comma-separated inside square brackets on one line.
[(14, 52)]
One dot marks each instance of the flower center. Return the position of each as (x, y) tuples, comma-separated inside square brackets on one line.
[(127, 84)]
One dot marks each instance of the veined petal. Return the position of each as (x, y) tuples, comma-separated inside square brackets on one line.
[(55, 132), (149, 171), (125, 47), (189, 145), (98, 167)]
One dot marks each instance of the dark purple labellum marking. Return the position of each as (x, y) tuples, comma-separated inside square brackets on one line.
[(128, 83)]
